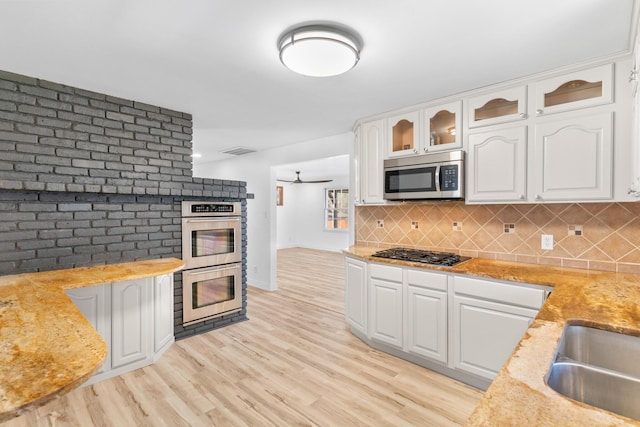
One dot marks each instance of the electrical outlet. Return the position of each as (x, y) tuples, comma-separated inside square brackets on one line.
[(547, 242), (380, 223), (414, 225)]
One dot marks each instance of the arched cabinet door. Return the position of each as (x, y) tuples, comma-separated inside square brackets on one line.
[(403, 134), (442, 127), (504, 106), (573, 158), (497, 166), (130, 322), (585, 88)]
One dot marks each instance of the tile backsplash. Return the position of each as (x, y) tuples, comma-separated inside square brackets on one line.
[(597, 236)]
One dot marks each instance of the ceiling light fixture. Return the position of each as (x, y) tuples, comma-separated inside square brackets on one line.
[(319, 51)]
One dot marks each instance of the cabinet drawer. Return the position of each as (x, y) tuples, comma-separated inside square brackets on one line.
[(506, 293), (385, 272), (427, 279)]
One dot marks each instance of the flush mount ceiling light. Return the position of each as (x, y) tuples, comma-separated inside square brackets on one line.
[(319, 51)]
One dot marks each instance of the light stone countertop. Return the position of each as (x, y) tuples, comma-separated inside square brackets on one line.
[(519, 396), (47, 347)]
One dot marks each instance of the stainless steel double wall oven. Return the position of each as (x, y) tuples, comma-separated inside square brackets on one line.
[(212, 252)]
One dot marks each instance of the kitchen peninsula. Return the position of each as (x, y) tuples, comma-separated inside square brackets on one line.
[(519, 394), (47, 346)]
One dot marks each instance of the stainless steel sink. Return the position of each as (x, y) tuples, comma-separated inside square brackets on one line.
[(600, 368)]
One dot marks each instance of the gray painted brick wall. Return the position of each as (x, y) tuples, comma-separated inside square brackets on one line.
[(90, 179)]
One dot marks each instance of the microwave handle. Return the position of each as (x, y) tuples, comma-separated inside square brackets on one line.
[(438, 179)]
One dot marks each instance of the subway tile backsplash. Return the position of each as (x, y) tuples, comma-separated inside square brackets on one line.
[(608, 237)]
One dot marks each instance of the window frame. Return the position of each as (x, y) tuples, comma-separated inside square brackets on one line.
[(334, 218)]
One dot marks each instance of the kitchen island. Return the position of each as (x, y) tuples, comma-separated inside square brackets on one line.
[(47, 346), (519, 394)]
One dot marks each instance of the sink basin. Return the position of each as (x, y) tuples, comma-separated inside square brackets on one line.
[(599, 368)]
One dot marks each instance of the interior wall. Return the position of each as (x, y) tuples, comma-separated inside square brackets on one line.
[(300, 221), (257, 170)]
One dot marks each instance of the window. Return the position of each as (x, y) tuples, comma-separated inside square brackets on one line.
[(336, 209)]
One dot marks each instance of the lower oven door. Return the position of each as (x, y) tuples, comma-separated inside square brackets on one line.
[(211, 292)]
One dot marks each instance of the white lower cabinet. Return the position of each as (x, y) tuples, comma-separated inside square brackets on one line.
[(458, 325), (385, 303), (95, 304), (162, 314), (355, 294), (489, 319), (135, 319), (130, 321), (426, 314)]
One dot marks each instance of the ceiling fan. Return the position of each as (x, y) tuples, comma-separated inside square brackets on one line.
[(299, 181)]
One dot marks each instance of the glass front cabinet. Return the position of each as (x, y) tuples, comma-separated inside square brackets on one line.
[(403, 134), (442, 127), (498, 107), (428, 130), (585, 88)]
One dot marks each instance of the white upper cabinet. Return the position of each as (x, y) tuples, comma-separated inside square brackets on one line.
[(497, 107), (442, 126), (497, 166), (368, 163), (585, 88), (403, 134), (573, 158)]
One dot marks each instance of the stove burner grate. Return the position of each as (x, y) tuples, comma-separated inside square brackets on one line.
[(447, 259)]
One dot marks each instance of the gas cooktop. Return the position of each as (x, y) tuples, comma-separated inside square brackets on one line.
[(446, 259)]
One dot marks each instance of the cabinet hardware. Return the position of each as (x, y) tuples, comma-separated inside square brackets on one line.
[(537, 197), (633, 75), (523, 115), (539, 112)]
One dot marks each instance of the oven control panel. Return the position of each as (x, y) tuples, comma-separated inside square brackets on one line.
[(211, 209)]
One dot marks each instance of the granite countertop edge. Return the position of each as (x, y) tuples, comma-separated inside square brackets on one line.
[(47, 346)]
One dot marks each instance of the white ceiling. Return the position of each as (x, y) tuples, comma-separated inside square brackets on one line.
[(218, 59)]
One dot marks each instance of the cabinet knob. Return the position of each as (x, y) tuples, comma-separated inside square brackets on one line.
[(537, 197), (523, 116), (425, 149), (522, 197), (415, 150), (539, 112)]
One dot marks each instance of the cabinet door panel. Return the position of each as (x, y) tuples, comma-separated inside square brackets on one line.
[(130, 322), (585, 88), (427, 323), (356, 294), (162, 312), (403, 134), (94, 303), (497, 165), (498, 107), (485, 334), (442, 127), (386, 312), (573, 158), (369, 166)]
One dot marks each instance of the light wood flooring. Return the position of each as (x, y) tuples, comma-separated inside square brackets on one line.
[(293, 363)]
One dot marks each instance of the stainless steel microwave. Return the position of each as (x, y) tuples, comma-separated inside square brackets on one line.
[(427, 176)]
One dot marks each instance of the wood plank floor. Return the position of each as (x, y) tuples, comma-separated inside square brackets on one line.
[(293, 363)]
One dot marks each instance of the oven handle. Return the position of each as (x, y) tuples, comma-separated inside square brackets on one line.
[(438, 178), (211, 219), (211, 270)]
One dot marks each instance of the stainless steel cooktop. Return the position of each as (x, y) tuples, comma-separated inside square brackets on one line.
[(446, 259)]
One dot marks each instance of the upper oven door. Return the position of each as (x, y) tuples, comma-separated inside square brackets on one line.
[(411, 182), (211, 241)]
